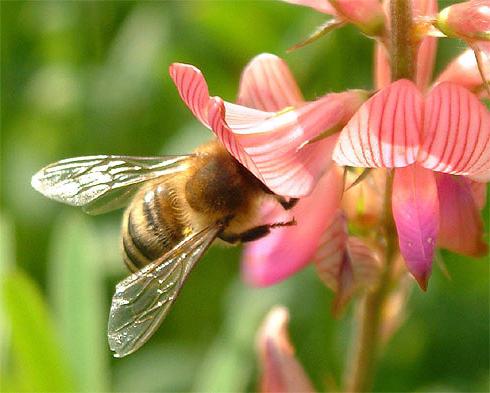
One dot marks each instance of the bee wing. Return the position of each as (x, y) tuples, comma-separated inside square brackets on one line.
[(102, 183), (142, 300)]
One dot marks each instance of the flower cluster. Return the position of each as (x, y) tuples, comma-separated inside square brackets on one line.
[(431, 142)]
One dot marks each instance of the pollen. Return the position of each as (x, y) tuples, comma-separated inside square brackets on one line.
[(187, 231)]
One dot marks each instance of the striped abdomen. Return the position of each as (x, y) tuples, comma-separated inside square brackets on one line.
[(153, 223)]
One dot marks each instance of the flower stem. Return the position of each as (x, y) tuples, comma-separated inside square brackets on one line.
[(367, 336), (402, 47), (364, 353)]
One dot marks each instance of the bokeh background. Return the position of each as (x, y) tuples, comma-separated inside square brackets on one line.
[(82, 78)]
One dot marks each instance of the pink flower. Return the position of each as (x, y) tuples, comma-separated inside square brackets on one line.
[(463, 70), (447, 131), (469, 21), (286, 250), (367, 15), (273, 145), (280, 370)]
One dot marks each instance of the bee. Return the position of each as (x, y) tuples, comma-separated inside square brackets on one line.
[(176, 207)]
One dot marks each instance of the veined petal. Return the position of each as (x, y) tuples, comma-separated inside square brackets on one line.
[(322, 6), (461, 226), (273, 146), (346, 264), (415, 207), (286, 250), (384, 132), (456, 136), (281, 371), (192, 88), (464, 71), (276, 149), (267, 84)]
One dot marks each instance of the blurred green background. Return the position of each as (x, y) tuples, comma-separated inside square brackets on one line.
[(82, 78)]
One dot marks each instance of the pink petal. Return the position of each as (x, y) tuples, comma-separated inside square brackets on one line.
[(273, 146), (320, 5), (192, 88), (468, 20), (281, 371), (416, 214), (274, 150), (382, 71), (464, 71), (479, 191), (385, 130), (461, 228), (367, 15), (267, 84), (456, 135), (287, 250), (346, 264), (426, 53)]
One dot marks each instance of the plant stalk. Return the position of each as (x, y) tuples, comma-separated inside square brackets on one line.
[(366, 341)]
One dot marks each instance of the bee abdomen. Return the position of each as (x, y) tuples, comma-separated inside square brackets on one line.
[(153, 225)]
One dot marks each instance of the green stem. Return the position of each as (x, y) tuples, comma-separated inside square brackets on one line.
[(367, 337), (364, 353)]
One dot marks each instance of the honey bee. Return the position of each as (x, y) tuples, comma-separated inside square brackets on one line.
[(178, 205)]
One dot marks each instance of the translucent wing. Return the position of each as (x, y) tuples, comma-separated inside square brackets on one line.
[(142, 300), (102, 183)]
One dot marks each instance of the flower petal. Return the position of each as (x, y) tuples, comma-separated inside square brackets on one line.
[(288, 249), (385, 130), (426, 53), (192, 88), (322, 6), (267, 84), (346, 264), (464, 71), (273, 146), (468, 20), (281, 371), (416, 213), (382, 71), (461, 228), (367, 15), (275, 151), (456, 136)]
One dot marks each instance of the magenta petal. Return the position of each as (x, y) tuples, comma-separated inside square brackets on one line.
[(286, 250), (267, 84), (456, 136), (276, 150), (385, 130), (461, 227), (416, 212)]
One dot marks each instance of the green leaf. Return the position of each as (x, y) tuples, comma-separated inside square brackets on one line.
[(37, 353), (76, 288)]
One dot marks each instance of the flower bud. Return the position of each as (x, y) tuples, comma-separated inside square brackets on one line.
[(367, 15), (469, 21)]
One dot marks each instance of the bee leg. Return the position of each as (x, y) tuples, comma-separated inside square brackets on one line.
[(287, 204), (254, 233)]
